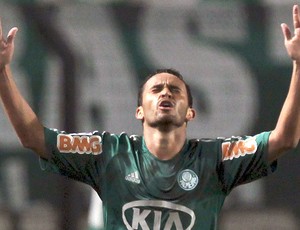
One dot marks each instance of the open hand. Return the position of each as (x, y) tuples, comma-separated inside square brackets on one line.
[(292, 41), (6, 46)]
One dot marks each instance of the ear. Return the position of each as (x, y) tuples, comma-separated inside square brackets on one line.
[(139, 113), (190, 115)]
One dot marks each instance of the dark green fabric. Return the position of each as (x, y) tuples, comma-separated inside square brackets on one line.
[(140, 191)]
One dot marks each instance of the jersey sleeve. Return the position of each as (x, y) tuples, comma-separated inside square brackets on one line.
[(76, 155), (244, 159)]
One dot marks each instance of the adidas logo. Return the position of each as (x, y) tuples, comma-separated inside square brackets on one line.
[(133, 177)]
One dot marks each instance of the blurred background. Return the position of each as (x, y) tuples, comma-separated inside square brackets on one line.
[(79, 64)]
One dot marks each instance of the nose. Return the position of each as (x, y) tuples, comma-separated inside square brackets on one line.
[(166, 92)]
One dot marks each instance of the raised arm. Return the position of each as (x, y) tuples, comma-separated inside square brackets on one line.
[(25, 122), (286, 134)]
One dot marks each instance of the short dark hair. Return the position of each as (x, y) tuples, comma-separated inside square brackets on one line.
[(174, 72)]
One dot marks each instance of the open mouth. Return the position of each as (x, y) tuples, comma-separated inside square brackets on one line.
[(166, 104)]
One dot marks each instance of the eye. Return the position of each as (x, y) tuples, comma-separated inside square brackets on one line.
[(156, 89), (175, 89)]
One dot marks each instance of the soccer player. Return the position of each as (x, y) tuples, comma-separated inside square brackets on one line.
[(160, 180)]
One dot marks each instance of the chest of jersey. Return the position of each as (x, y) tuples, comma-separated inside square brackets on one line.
[(165, 194)]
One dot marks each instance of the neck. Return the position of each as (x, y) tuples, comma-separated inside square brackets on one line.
[(164, 144)]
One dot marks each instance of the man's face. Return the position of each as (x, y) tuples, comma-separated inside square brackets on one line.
[(164, 102)]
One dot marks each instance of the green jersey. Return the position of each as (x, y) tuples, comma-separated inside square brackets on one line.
[(139, 191)]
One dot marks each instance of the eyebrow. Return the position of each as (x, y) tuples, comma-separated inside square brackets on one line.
[(161, 85)]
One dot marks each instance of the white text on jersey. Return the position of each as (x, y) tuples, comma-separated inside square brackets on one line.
[(156, 215)]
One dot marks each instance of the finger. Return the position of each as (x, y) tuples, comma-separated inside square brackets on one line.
[(0, 29), (11, 35), (297, 32), (296, 17), (286, 31)]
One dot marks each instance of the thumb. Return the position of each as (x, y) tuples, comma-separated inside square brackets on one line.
[(11, 35), (286, 31)]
